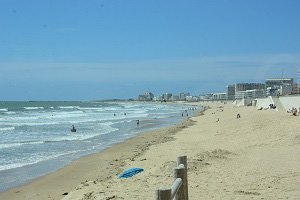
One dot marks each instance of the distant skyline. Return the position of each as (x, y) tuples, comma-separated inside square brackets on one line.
[(94, 49)]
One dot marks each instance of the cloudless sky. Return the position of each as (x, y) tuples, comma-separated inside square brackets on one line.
[(102, 49)]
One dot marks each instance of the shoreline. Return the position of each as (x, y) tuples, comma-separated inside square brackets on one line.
[(255, 156), (38, 188)]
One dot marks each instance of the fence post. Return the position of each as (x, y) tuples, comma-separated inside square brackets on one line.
[(163, 194), (179, 173), (183, 160)]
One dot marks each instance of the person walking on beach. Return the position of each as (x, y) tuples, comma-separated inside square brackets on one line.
[(137, 123)]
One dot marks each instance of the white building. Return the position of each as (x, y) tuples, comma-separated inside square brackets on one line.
[(250, 94), (182, 96), (147, 96), (192, 98), (167, 97), (175, 98), (220, 96), (285, 89), (279, 86)]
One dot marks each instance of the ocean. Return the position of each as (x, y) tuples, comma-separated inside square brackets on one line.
[(35, 136)]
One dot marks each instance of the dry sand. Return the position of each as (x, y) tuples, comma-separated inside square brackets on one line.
[(254, 157)]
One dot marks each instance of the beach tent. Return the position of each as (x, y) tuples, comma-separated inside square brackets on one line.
[(264, 102)]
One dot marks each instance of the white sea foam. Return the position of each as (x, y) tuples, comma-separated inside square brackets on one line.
[(33, 108), (16, 124), (69, 107), (3, 146), (63, 115), (3, 129), (34, 159), (9, 112), (11, 166), (94, 109), (48, 118), (3, 109), (16, 144), (80, 136)]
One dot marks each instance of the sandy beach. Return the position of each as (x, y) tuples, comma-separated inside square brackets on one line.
[(253, 157)]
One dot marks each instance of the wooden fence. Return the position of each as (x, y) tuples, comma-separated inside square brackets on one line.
[(179, 189)]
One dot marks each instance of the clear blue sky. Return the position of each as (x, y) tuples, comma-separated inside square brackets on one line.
[(94, 49)]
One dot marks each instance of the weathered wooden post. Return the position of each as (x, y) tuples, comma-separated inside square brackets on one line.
[(183, 160), (179, 189), (179, 173), (163, 194), (175, 188)]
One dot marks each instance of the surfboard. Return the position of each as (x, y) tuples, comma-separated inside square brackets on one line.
[(130, 172)]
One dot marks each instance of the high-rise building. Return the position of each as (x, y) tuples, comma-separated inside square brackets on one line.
[(249, 86), (167, 96), (279, 86), (230, 92), (277, 82), (147, 96), (251, 94), (239, 90)]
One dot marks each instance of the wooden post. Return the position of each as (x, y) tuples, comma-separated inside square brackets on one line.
[(183, 160), (163, 194), (179, 173), (175, 187)]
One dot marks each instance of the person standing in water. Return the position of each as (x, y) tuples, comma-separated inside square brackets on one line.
[(73, 128)]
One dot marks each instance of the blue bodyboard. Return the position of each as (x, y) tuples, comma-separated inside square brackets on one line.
[(130, 172)]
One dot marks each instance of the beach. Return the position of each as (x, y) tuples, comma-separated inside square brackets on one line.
[(255, 156)]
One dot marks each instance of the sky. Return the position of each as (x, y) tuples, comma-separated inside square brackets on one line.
[(105, 49)]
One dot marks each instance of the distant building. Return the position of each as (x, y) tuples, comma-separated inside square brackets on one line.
[(251, 94), (249, 86), (279, 86), (192, 98), (182, 96), (285, 89), (276, 82), (147, 96), (230, 92), (167, 97), (209, 96), (239, 90), (220, 96), (296, 88), (175, 98), (158, 98)]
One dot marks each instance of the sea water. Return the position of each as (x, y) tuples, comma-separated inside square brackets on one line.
[(35, 137)]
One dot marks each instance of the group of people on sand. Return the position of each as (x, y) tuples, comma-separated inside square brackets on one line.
[(294, 111), (271, 106)]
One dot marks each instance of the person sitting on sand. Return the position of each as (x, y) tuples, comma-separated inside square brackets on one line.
[(295, 112)]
